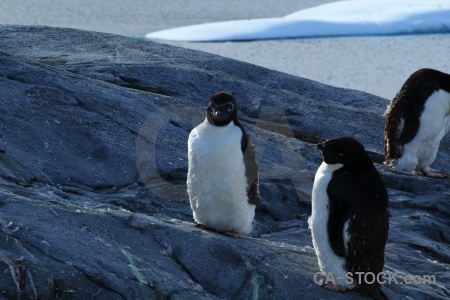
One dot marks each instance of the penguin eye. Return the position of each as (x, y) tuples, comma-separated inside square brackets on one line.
[(230, 107), (341, 154)]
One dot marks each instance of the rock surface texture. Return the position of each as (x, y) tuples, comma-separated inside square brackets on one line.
[(93, 151)]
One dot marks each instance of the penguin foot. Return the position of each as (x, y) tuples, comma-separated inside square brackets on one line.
[(232, 234), (203, 226), (426, 172), (334, 287)]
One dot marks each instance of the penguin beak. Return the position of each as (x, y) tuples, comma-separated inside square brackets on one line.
[(216, 113), (321, 147)]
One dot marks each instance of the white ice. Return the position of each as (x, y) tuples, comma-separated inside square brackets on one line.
[(342, 18)]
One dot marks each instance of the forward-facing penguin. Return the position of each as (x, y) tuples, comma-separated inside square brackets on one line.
[(416, 121), (350, 217), (223, 179)]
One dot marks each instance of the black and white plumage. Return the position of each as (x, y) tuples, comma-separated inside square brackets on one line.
[(416, 121), (350, 216), (223, 179)]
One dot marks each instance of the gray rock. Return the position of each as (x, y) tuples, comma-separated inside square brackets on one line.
[(93, 133)]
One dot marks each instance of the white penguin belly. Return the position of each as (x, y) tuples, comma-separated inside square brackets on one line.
[(217, 185), (434, 124), (329, 262)]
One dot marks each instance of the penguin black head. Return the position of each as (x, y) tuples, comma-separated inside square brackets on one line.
[(221, 109), (344, 150)]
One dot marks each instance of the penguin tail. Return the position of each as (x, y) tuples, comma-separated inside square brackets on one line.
[(381, 295), (373, 291)]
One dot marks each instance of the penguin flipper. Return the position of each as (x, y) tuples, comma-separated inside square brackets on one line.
[(338, 215), (251, 166), (369, 234), (366, 250), (253, 193)]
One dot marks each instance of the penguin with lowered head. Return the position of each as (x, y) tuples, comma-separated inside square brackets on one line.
[(416, 121)]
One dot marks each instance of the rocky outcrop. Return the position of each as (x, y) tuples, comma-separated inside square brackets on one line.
[(93, 150)]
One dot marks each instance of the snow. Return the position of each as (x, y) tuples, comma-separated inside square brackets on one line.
[(342, 18)]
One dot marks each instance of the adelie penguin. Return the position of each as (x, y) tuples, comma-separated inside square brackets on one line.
[(416, 121), (223, 179), (350, 217)]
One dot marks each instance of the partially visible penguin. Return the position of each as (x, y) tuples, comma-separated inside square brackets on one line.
[(223, 179), (416, 121), (350, 216)]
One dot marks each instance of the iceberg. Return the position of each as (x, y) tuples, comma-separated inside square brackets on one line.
[(342, 18)]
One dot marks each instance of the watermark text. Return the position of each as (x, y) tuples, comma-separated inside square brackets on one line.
[(370, 278)]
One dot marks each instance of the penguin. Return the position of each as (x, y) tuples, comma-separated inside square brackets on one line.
[(223, 175), (416, 121), (349, 222)]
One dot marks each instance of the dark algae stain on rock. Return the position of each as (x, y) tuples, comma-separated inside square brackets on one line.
[(78, 222)]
